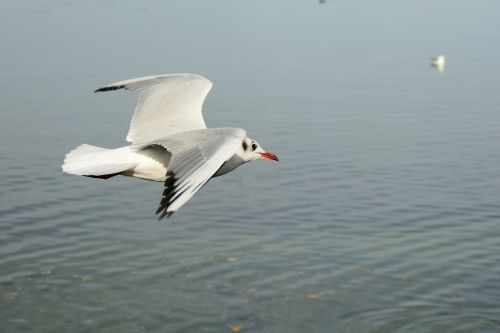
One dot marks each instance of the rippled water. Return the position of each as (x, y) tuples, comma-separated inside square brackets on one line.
[(382, 216)]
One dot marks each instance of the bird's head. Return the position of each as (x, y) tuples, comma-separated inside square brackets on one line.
[(251, 150)]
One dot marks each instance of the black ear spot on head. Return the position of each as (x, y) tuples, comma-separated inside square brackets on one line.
[(244, 145)]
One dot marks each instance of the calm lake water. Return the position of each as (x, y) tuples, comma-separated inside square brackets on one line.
[(382, 216)]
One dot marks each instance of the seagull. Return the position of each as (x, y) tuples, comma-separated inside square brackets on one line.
[(439, 62), (169, 141)]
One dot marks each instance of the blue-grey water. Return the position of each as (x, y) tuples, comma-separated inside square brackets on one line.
[(382, 216)]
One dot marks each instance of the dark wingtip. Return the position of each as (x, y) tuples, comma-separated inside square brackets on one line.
[(168, 193), (109, 88), (164, 214)]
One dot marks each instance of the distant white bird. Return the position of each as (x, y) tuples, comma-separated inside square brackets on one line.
[(169, 141), (439, 62)]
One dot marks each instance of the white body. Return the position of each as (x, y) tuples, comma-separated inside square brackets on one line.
[(150, 163)]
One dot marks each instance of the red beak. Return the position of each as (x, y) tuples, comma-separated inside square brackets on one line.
[(269, 156)]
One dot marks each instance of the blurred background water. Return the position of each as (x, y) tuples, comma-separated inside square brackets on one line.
[(382, 216)]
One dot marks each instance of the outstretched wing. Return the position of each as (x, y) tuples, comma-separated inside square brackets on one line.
[(166, 102), (196, 157)]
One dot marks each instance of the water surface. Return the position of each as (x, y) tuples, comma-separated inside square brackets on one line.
[(382, 216)]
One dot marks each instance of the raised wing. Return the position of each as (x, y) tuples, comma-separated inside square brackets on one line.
[(196, 157), (171, 102)]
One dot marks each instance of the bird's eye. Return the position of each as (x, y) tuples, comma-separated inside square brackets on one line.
[(254, 146)]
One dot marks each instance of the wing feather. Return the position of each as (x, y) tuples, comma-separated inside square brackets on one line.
[(170, 102), (196, 157)]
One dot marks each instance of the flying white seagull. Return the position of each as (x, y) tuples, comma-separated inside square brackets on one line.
[(439, 62), (169, 141)]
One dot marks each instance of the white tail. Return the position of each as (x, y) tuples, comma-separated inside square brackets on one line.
[(87, 160)]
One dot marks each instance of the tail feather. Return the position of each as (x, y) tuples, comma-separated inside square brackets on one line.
[(88, 160)]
